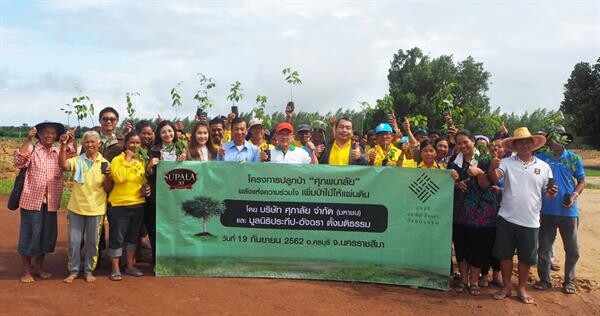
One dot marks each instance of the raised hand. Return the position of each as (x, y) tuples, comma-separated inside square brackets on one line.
[(64, 139), (31, 133), (503, 128), (231, 116), (495, 160), (127, 128), (393, 122), (406, 124)]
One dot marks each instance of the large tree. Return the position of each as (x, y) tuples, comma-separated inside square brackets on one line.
[(203, 207), (581, 104), (422, 85)]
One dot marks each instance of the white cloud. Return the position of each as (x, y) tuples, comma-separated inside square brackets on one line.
[(342, 50)]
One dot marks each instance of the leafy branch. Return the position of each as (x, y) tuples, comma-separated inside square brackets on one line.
[(201, 95), (259, 110), (292, 77), (235, 93), (68, 110), (176, 98), (129, 101)]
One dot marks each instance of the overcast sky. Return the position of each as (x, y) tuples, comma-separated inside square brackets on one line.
[(341, 49)]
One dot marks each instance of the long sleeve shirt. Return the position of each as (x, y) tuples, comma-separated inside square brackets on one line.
[(128, 177)]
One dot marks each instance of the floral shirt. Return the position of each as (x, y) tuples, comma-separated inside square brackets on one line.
[(476, 207)]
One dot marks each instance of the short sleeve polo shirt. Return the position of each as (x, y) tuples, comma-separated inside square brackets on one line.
[(295, 155), (523, 188)]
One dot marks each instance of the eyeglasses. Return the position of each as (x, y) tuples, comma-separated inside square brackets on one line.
[(109, 119)]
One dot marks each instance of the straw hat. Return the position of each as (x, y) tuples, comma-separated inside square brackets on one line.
[(523, 133)]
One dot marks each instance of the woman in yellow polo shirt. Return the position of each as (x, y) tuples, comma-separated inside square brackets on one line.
[(87, 205), (428, 155), (127, 199)]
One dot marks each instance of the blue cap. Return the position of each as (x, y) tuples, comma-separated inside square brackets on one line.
[(383, 127), (404, 139)]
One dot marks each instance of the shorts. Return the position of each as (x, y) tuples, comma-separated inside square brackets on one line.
[(37, 232), (511, 236)]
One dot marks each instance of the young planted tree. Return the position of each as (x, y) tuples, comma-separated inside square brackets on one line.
[(292, 77), (259, 111), (130, 107), (176, 98), (236, 93), (204, 102), (68, 110), (203, 207)]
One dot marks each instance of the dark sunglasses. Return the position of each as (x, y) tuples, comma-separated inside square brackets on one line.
[(109, 119)]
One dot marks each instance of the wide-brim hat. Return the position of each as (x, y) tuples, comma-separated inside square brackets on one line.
[(60, 129), (523, 133)]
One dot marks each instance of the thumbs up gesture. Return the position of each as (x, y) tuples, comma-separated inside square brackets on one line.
[(495, 160), (355, 152)]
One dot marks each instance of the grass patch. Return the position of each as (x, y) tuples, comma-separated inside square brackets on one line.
[(6, 186), (589, 172), (316, 270), (592, 186)]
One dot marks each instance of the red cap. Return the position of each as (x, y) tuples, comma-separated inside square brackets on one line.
[(284, 125)]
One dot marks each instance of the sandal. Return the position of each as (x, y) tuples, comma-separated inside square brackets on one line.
[(484, 282), (500, 295), (474, 290), (542, 285), (526, 299), (460, 287), (134, 272), (569, 288), (115, 276)]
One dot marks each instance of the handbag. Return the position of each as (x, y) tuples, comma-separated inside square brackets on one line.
[(15, 194)]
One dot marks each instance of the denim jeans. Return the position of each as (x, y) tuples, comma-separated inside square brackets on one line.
[(567, 226)]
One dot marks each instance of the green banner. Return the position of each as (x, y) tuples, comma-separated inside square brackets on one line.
[(350, 223)]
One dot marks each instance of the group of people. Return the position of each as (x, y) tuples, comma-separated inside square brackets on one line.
[(501, 187)]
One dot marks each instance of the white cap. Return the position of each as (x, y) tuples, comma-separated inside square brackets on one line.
[(255, 121)]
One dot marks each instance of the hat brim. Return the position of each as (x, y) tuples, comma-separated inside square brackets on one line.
[(538, 141), (60, 129)]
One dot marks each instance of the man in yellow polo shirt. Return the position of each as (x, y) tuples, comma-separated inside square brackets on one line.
[(384, 153), (341, 150)]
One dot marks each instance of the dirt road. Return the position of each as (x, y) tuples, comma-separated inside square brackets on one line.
[(189, 296)]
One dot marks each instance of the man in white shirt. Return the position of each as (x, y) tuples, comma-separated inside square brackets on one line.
[(286, 152), (525, 178)]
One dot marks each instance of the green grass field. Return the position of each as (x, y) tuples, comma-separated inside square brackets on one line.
[(592, 172), (315, 270), (6, 186)]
